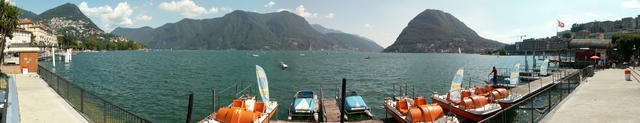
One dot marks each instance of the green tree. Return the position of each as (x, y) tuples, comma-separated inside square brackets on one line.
[(624, 43), (8, 23), (566, 35), (66, 41)]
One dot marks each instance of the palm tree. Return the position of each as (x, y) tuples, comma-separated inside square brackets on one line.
[(8, 23)]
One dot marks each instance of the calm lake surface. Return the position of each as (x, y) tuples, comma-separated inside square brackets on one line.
[(155, 84)]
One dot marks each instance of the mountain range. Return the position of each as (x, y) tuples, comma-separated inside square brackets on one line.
[(67, 19), (241, 30), (435, 31), (430, 31)]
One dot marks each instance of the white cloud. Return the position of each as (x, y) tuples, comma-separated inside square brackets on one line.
[(10, 2), (270, 4), (143, 17), (302, 12), (279, 10), (226, 9), (591, 15), (187, 8), (110, 17), (330, 16), (631, 4), (368, 26)]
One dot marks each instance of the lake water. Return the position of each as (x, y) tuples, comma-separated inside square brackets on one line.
[(155, 84)]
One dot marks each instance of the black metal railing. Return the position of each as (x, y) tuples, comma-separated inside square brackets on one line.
[(94, 108), (535, 107)]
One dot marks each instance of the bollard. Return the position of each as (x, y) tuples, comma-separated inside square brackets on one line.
[(627, 75), (25, 69), (342, 100), (213, 100), (190, 107)]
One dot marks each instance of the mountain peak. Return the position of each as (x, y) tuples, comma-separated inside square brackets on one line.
[(68, 20), (438, 31)]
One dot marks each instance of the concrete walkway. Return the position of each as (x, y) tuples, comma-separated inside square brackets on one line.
[(38, 103), (604, 98)]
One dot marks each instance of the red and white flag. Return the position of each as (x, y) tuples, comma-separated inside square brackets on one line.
[(560, 24)]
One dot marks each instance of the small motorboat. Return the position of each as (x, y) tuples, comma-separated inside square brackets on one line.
[(255, 55), (284, 66), (407, 110), (244, 110), (367, 58), (354, 105), (304, 106)]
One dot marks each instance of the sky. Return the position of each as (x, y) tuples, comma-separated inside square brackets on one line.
[(379, 20)]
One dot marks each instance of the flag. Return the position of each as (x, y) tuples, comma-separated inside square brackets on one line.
[(560, 24)]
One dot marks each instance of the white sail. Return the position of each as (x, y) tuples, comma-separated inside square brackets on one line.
[(263, 84), (456, 85)]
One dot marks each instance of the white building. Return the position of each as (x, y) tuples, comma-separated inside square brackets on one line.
[(43, 34), (19, 36)]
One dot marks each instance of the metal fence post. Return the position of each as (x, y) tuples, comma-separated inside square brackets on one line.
[(104, 113), (58, 84), (82, 100), (68, 96), (549, 100), (531, 104)]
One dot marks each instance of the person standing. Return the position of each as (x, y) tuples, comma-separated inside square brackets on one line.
[(495, 75)]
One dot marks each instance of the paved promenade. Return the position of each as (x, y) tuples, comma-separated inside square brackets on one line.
[(604, 98), (38, 103)]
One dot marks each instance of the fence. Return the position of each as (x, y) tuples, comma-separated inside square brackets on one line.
[(536, 106), (96, 109)]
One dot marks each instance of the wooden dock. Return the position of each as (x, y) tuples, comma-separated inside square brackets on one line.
[(330, 110), (533, 86), (606, 98)]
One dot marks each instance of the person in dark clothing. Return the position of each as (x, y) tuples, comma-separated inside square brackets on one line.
[(495, 75)]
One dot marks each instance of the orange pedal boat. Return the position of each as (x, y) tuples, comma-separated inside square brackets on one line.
[(244, 110), (407, 110), (473, 107)]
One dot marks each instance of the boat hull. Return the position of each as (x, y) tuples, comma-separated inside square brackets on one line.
[(505, 105), (394, 113), (275, 110), (461, 112)]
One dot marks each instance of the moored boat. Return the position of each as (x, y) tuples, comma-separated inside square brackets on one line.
[(246, 109), (284, 66), (407, 110), (304, 106), (464, 103), (355, 105)]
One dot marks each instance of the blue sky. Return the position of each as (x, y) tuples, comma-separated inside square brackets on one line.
[(379, 20)]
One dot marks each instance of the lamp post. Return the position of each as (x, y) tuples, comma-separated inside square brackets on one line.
[(633, 56)]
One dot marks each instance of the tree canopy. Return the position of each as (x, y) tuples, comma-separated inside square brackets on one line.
[(624, 44)]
